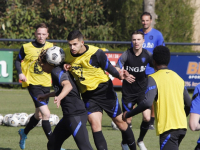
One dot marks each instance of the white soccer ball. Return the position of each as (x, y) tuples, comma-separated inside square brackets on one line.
[(1, 119), (29, 116), (51, 120), (5, 119), (114, 126), (55, 55), (14, 121), (23, 119), (56, 120)]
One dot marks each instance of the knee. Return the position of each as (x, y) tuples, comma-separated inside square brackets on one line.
[(96, 126), (38, 116), (146, 118), (45, 116)]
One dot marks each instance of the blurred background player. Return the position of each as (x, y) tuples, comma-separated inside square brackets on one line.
[(195, 113), (152, 38), (171, 101), (87, 66), (37, 81), (67, 95), (135, 60)]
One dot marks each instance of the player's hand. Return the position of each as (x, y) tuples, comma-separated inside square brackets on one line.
[(66, 66), (22, 77), (41, 97), (123, 116), (57, 101), (128, 77)]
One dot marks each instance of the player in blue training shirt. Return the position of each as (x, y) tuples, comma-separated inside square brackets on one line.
[(195, 113), (152, 39)]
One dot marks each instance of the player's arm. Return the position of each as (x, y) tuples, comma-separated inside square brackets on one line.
[(187, 101), (18, 60), (99, 59), (43, 97), (119, 66), (67, 87), (160, 39), (150, 95)]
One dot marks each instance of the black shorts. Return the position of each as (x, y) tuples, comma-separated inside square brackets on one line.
[(197, 147), (129, 101), (170, 140), (75, 126), (102, 98), (35, 90)]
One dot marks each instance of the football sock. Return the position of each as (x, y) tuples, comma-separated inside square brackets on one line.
[(99, 140), (152, 120), (128, 138), (32, 123), (143, 130), (47, 128)]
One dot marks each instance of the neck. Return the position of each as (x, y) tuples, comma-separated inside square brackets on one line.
[(147, 30), (82, 50), (137, 51), (161, 67)]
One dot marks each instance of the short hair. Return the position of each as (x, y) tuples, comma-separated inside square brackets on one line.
[(146, 14), (138, 32), (42, 25), (75, 34), (161, 55)]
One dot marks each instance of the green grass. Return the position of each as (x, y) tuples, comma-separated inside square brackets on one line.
[(17, 101)]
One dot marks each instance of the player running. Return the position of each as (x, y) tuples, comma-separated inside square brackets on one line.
[(87, 66), (67, 95)]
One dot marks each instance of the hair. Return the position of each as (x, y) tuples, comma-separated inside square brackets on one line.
[(138, 32), (42, 57), (74, 35), (146, 14), (42, 25), (161, 55)]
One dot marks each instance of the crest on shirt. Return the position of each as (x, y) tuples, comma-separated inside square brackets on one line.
[(151, 37), (143, 59), (78, 70)]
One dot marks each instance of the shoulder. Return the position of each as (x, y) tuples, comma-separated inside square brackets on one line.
[(155, 31), (147, 52), (57, 71)]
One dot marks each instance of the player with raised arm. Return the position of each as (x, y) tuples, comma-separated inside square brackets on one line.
[(135, 60), (166, 90), (37, 81), (88, 66), (67, 95)]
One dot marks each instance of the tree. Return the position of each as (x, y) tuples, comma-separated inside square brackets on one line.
[(149, 6)]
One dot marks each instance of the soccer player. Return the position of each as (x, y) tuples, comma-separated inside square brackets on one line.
[(152, 39), (67, 95), (135, 60), (195, 113), (171, 101), (37, 81), (87, 66)]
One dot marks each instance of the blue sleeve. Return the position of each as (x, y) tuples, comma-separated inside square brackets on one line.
[(195, 107), (160, 39), (18, 60), (122, 59)]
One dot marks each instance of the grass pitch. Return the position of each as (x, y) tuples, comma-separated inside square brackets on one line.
[(17, 101)]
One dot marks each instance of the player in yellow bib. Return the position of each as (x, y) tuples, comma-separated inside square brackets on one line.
[(171, 101), (37, 81), (88, 66)]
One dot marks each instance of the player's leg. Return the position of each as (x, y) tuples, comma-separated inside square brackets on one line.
[(59, 135), (151, 125), (144, 128), (95, 119), (45, 112), (80, 132)]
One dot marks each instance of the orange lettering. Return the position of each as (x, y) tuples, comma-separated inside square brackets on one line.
[(192, 68)]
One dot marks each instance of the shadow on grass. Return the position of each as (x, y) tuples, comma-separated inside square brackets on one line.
[(5, 148)]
